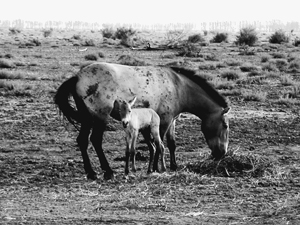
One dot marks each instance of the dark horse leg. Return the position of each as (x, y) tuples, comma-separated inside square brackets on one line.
[(83, 141), (96, 139), (147, 137), (170, 135)]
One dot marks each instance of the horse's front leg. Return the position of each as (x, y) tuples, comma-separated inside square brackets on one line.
[(133, 149), (83, 141), (170, 135), (127, 153), (96, 139)]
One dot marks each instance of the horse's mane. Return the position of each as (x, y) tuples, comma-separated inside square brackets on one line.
[(202, 82)]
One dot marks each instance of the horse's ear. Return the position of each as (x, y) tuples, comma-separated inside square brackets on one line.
[(226, 110), (131, 102)]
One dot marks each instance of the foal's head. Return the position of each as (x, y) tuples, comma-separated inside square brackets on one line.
[(216, 132), (125, 111)]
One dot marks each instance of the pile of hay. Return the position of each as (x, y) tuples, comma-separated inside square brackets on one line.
[(234, 165)]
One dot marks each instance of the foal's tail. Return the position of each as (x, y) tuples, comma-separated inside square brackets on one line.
[(62, 100)]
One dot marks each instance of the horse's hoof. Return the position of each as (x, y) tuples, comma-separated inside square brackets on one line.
[(108, 175), (91, 176)]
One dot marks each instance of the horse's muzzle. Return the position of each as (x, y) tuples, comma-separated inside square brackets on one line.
[(125, 124)]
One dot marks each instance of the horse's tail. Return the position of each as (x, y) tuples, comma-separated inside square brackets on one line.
[(62, 100)]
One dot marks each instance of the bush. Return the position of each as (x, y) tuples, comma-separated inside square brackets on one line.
[(231, 75), (250, 95), (131, 61), (248, 68), (101, 55), (36, 42), (281, 64), (14, 30), (220, 37), (279, 37), (297, 42), (294, 66), (189, 50), (88, 42), (265, 58), (6, 64), (195, 38), (124, 33), (48, 32), (108, 32), (247, 36), (76, 36), (92, 57)]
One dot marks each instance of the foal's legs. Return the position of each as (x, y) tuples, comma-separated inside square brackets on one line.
[(171, 145), (147, 137), (83, 141), (96, 139)]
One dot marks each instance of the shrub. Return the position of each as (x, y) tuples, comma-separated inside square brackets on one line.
[(108, 32), (230, 75), (92, 57), (101, 55), (4, 63), (47, 32), (265, 58), (195, 38), (232, 62), (286, 80), (294, 66), (279, 37), (14, 30), (189, 50), (76, 36), (270, 67), (281, 64), (279, 55), (88, 42), (250, 95), (124, 33), (222, 84), (297, 42), (248, 68), (12, 75), (220, 37), (131, 61), (247, 36), (207, 66), (36, 42)]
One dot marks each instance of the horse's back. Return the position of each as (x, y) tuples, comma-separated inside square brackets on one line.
[(100, 84)]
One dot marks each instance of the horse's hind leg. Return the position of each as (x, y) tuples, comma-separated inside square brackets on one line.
[(170, 135), (147, 137), (83, 141), (96, 139)]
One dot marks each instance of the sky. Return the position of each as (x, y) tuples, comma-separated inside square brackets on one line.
[(150, 12)]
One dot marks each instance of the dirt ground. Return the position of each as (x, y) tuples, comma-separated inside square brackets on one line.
[(42, 180)]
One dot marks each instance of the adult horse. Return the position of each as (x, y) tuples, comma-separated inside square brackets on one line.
[(168, 91)]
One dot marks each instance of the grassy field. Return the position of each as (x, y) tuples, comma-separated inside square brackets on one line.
[(42, 180)]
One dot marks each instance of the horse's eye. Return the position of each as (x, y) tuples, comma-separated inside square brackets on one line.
[(225, 125)]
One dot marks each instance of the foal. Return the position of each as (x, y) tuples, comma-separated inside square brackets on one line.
[(147, 121)]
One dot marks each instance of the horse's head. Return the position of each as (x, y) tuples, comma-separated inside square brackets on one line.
[(125, 111), (216, 131)]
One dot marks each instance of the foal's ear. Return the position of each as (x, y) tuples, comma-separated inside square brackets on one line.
[(225, 111), (131, 102)]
